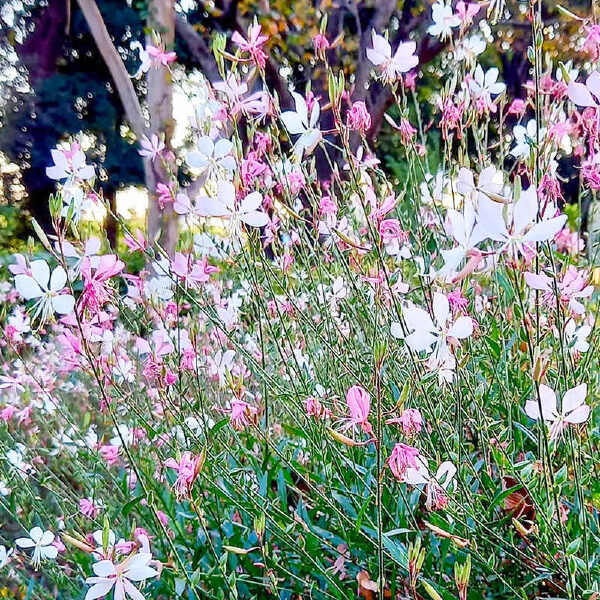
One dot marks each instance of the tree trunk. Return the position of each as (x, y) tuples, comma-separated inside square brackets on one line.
[(111, 225), (162, 224), (161, 17)]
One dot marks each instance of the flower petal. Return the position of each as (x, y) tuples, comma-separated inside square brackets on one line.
[(574, 398)]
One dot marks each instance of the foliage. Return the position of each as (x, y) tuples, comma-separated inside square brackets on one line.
[(358, 384)]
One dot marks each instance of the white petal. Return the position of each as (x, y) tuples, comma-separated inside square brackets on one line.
[(538, 281), (49, 552), (196, 160), (206, 145), (40, 271), (63, 304), (132, 591), (525, 210), (417, 318), (141, 573), (293, 122), (222, 148), (441, 308), (548, 402), (462, 328), (256, 218), (211, 207), (580, 95), (24, 543), (573, 398), (104, 568), (58, 279), (27, 287), (99, 589), (47, 538), (251, 202), (445, 473), (301, 107), (579, 415), (545, 230), (420, 340), (396, 330)]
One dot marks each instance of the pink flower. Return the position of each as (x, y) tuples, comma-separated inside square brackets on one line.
[(314, 408), (164, 194), (458, 303), (569, 241), (187, 469), (95, 291), (591, 45), (407, 132), (517, 107), (136, 242), (110, 454), (359, 405), (159, 57), (321, 45), (151, 147), (451, 118), (466, 11), (88, 509), (571, 288), (253, 45), (403, 457), (411, 421), (358, 118), (241, 414)]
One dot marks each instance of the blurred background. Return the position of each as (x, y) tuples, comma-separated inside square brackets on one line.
[(55, 86)]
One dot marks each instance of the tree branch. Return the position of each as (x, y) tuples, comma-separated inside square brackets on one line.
[(115, 65), (198, 48)]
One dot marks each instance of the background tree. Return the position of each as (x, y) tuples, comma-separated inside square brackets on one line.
[(78, 57)]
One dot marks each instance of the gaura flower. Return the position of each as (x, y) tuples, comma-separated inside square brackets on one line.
[(359, 405), (41, 542), (574, 410), (299, 122), (46, 289), (119, 576), (391, 67)]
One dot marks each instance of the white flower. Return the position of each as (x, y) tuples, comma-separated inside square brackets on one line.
[(108, 575), (299, 122), (41, 542), (221, 364), (437, 485), (4, 556), (69, 165), (380, 55), (444, 20), (212, 157), (145, 60), (574, 410), (204, 245), (588, 94), (45, 287), (516, 225), (577, 336), (16, 459), (426, 332), (486, 84), (224, 205), (91, 250), (525, 137), (471, 48)]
